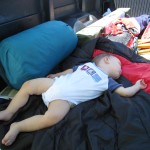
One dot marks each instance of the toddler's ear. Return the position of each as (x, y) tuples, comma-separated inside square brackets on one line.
[(106, 59)]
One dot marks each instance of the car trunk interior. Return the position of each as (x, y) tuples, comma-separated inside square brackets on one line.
[(110, 122)]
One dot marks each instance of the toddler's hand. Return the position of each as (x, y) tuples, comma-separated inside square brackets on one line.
[(141, 84)]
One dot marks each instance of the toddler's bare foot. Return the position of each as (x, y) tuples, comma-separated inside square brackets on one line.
[(10, 135), (5, 115)]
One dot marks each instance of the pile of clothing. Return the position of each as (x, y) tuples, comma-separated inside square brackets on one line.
[(127, 30)]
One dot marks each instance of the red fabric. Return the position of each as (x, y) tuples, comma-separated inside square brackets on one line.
[(132, 71), (112, 29)]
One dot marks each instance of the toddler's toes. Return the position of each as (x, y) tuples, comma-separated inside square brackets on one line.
[(11, 135), (6, 142)]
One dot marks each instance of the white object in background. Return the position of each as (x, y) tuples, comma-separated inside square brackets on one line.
[(95, 28), (107, 12)]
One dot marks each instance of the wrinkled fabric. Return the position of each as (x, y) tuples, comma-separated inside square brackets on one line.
[(123, 30), (110, 122)]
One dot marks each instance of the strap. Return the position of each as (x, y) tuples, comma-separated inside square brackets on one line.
[(83, 5), (51, 10), (77, 4), (97, 5), (42, 10)]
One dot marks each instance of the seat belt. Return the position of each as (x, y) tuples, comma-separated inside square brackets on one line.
[(83, 5), (77, 4), (97, 5), (42, 10), (51, 10)]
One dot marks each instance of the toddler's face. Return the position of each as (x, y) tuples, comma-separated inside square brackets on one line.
[(115, 67)]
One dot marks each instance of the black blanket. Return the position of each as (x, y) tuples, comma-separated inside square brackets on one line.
[(110, 122)]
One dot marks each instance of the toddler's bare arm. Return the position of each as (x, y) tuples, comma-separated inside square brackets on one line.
[(130, 91)]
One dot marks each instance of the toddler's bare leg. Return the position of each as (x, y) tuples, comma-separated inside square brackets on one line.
[(56, 112), (31, 87)]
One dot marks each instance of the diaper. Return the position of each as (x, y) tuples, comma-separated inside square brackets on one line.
[(55, 92)]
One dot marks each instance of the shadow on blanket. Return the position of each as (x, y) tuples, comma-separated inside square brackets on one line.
[(110, 122)]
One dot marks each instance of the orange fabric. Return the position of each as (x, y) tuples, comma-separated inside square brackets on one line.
[(132, 71)]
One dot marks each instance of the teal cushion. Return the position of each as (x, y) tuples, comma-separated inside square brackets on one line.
[(35, 52)]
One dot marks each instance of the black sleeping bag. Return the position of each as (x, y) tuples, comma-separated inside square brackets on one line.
[(110, 122)]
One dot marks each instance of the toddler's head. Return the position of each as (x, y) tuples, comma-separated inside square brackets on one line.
[(109, 64)]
